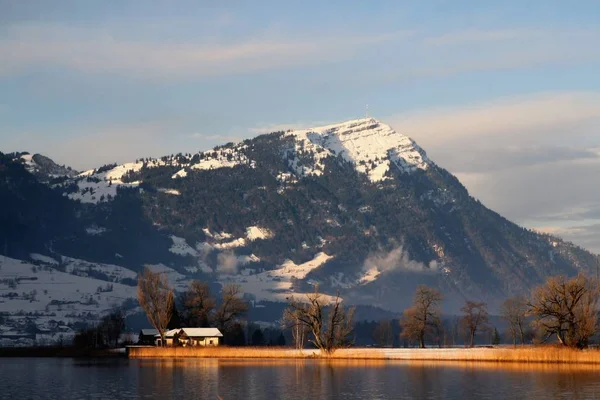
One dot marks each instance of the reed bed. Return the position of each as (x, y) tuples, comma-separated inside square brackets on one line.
[(219, 352), (538, 354)]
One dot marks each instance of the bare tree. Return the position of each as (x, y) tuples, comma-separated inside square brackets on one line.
[(383, 333), (423, 318), (198, 305), (451, 329), (112, 326), (329, 322), (567, 308), (299, 331), (156, 299), (232, 306), (514, 311), (475, 319)]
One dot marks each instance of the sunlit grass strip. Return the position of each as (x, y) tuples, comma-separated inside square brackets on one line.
[(219, 352), (542, 354)]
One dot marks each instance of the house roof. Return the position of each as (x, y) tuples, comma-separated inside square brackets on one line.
[(193, 332), (169, 333), (172, 332), (149, 332), (202, 332)]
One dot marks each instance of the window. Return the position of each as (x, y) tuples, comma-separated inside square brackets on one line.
[(210, 341)]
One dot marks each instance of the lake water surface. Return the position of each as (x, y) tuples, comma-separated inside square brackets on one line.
[(55, 378)]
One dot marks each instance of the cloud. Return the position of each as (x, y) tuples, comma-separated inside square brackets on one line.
[(484, 50), (227, 263), (395, 260), (215, 137), (479, 159), (523, 118), (30, 46), (534, 159), (476, 35), (583, 235)]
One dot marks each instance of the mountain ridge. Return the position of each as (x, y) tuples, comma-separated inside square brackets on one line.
[(354, 207)]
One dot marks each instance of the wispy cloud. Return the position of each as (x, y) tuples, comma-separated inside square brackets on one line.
[(471, 36), (583, 235), (520, 117), (429, 56), (215, 137), (532, 158), (100, 52)]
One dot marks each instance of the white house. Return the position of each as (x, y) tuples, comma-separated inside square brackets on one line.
[(192, 337), (169, 337), (200, 336)]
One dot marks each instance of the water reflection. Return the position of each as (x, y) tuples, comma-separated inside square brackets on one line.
[(293, 379)]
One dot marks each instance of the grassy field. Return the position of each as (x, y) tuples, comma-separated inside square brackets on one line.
[(541, 354)]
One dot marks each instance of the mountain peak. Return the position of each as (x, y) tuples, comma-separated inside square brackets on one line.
[(44, 167), (367, 143)]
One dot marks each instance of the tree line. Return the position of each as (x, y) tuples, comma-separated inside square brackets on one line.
[(561, 308), (196, 307)]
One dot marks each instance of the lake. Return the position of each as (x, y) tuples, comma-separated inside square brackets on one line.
[(64, 378)]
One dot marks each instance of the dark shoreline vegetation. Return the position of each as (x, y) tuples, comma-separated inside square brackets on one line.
[(58, 351)]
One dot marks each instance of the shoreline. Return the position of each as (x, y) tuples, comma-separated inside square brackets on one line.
[(547, 355), (59, 352), (527, 355)]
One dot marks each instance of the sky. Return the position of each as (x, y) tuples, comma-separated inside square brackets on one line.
[(505, 95)]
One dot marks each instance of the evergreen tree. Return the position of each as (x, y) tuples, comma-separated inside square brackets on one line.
[(496, 337), (235, 335), (281, 340), (258, 338)]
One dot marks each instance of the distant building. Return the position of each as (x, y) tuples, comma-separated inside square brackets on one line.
[(147, 337), (191, 337)]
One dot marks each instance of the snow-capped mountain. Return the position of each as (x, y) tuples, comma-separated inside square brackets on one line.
[(354, 207), (368, 144)]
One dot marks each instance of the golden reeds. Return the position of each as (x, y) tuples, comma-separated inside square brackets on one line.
[(538, 354)]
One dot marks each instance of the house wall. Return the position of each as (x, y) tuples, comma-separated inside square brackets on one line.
[(168, 341), (205, 341)]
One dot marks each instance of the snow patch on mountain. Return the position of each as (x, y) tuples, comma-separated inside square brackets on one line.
[(368, 276), (177, 281), (226, 241), (52, 295), (240, 242), (224, 157), (217, 235), (179, 174), (181, 247), (29, 163), (95, 230), (173, 192), (277, 284), (254, 233), (108, 272), (95, 190), (367, 143), (43, 259), (94, 187)]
